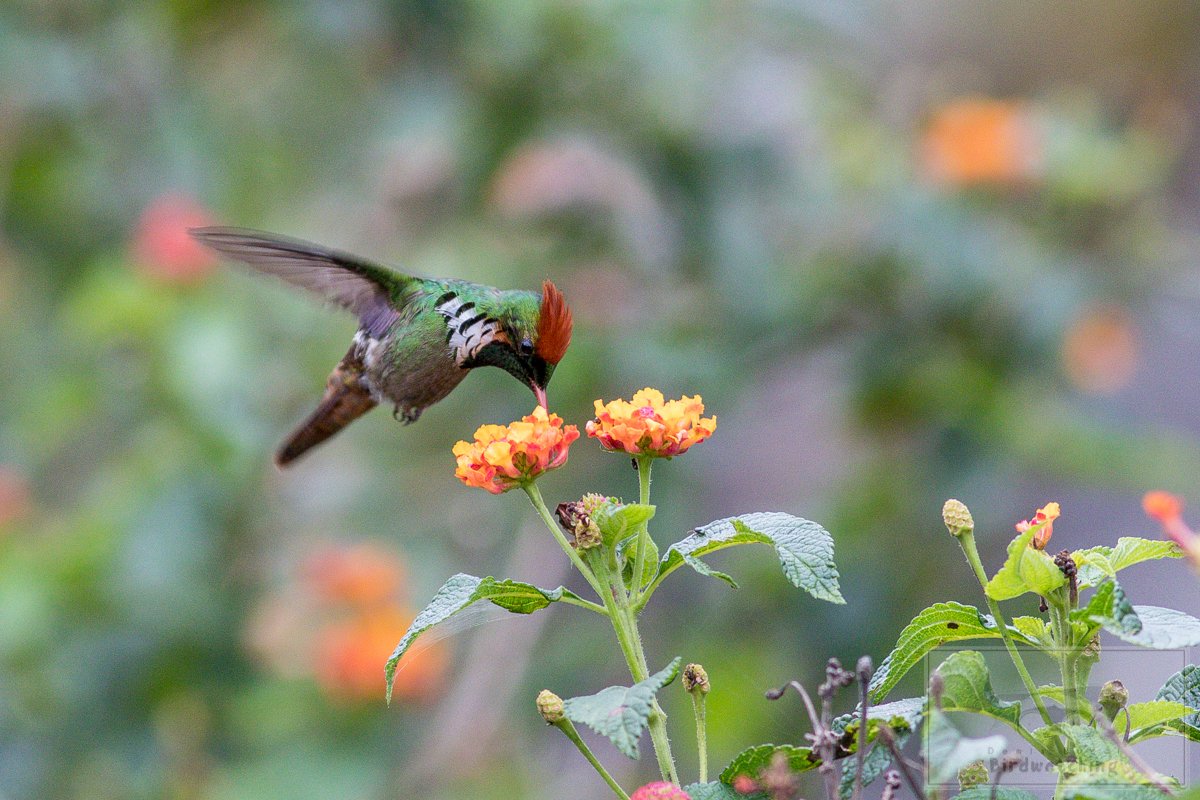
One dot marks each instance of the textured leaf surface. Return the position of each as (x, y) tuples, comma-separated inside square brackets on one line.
[(805, 549), (967, 686), (1025, 570), (900, 715), (1002, 793), (1110, 608), (1091, 747), (460, 592), (1097, 562), (932, 628), (947, 750), (618, 522), (1184, 687), (876, 762), (753, 760), (717, 791), (1144, 716), (619, 713), (1162, 629)]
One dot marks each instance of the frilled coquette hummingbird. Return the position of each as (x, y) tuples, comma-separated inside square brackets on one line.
[(417, 337)]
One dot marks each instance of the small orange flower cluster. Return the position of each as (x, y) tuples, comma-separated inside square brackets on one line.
[(650, 426), (660, 790), (506, 456), (1045, 517), (1168, 510)]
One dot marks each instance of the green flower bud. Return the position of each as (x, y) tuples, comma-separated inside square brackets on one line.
[(550, 706), (695, 679), (957, 517), (1113, 697), (973, 775)]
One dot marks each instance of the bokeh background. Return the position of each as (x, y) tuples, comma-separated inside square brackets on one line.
[(905, 251)]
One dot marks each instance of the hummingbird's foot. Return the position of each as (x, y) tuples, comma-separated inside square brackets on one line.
[(407, 415)]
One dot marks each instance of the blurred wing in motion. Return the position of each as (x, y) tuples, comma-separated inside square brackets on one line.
[(368, 290)]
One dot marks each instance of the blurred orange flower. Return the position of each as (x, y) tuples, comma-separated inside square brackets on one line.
[(1168, 510), (981, 140), (349, 658), (162, 246), (505, 456), (363, 574), (15, 496), (1045, 517), (1100, 350), (650, 426)]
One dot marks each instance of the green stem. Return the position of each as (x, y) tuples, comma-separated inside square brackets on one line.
[(535, 497), (568, 729), (966, 541), (639, 561), (1065, 652), (588, 604), (701, 733)]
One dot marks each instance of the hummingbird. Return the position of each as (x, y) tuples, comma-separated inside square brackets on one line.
[(417, 337)]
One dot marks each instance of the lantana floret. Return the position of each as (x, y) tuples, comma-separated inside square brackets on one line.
[(503, 457)]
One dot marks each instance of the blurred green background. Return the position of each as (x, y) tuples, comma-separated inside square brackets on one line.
[(905, 251)]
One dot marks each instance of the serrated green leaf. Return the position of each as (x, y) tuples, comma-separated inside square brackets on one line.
[(627, 555), (1035, 630), (947, 750), (1144, 716), (932, 628), (1001, 793), (1184, 687), (900, 715), (875, 763), (459, 592), (753, 760), (1090, 746), (717, 791), (805, 549), (1113, 780), (1110, 608), (1162, 629), (620, 713), (618, 522), (967, 686), (1096, 563), (1026, 569)]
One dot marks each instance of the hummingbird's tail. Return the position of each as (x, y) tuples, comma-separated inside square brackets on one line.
[(345, 400)]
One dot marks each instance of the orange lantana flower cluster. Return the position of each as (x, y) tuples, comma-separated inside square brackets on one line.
[(1045, 517), (506, 456), (648, 425)]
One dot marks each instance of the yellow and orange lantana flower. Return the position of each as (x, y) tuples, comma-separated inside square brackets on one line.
[(1045, 517), (506, 456), (648, 425)]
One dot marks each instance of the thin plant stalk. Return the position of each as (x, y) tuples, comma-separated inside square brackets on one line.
[(701, 733), (535, 497), (966, 541), (565, 725), (639, 562)]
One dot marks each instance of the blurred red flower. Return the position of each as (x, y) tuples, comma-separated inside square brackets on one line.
[(349, 656), (362, 575), (980, 141), (16, 497)]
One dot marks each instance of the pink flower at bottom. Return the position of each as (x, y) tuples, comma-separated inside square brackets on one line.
[(660, 790)]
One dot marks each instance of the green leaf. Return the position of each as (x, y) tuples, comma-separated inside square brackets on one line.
[(460, 592), (717, 791), (967, 686), (1112, 780), (618, 522), (620, 713), (947, 750), (899, 715), (1001, 793), (753, 760), (876, 762), (1034, 630), (1091, 747), (805, 549), (932, 628), (627, 555), (1095, 563), (1111, 608), (1162, 629), (1026, 570), (1145, 716), (1184, 687)]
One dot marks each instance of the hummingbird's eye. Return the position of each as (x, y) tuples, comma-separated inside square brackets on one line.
[(525, 347)]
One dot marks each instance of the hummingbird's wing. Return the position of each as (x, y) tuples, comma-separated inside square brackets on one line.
[(372, 292)]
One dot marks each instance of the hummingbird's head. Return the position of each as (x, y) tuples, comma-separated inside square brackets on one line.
[(532, 339)]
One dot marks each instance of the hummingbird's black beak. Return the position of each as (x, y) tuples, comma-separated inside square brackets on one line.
[(540, 393)]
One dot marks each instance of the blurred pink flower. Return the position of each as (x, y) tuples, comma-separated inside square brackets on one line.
[(162, 247), (16, 496)]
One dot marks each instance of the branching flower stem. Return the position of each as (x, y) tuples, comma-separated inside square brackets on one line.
[(966, 540), (606, 580), (1066, 652)]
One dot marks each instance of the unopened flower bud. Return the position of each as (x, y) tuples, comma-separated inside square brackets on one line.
[(1113, 697), (957, 517), (975, 774), (865, 669), (550, 706), (695, 679)]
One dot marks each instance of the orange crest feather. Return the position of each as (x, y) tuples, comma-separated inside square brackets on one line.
[(554, 324)]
